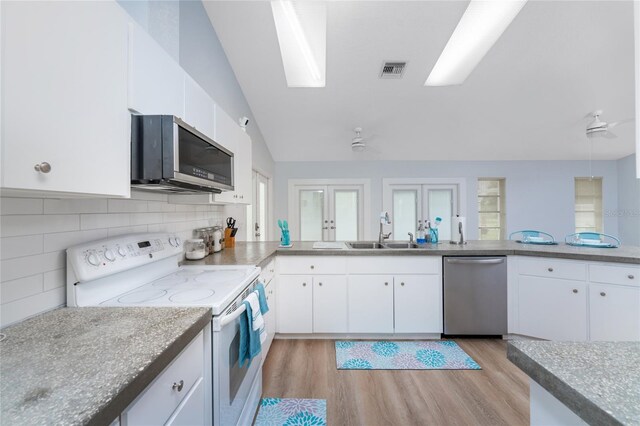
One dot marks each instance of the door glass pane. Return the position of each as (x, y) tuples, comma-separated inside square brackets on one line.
[(311, 217), (346, 214), (262, 211), (404, 216), (439, 203)]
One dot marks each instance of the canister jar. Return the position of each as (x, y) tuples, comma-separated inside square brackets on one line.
[(195, 249)]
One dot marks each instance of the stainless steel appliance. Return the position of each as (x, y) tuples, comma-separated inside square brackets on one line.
[(475, 295), (168, 155), (144, 270)]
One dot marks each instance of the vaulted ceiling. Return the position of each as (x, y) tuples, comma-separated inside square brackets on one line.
[(556, 62)]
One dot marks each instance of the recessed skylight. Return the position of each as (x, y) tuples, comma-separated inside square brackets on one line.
[(480, 27), (302, 35)]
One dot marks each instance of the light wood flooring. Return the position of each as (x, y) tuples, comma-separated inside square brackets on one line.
[(496, 395)]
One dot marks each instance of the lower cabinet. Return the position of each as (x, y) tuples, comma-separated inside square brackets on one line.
[(614, 312), (270, 317), (417, 303), (177, 395), (370, 303), (295, 304), (554, 309), (330, 304)]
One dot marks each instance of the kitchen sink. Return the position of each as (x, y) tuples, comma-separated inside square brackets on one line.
[(401, 245), (363, 245)]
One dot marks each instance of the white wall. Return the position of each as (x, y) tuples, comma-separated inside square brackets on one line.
[(540, 194), (35, 233), (628, 210)]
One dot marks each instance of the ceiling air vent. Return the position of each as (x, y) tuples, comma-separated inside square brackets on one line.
[(392, 69)]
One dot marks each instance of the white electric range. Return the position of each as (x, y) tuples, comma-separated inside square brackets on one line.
[(144, 270)]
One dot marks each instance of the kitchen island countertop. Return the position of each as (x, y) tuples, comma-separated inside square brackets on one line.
[(599, 381), (86, 365)]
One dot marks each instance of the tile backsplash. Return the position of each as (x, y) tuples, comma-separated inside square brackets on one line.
[(34, 233)]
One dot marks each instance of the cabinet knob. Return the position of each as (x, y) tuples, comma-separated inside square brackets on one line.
[(630, 276), (332, 227), (402, 284), (304, 284), (575, 290), (602, 293), (178, 386), (320, 284), (42, 167), (550, 269), (386, 283), (311, 266)]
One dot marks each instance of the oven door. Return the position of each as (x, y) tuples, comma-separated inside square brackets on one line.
[(234, 382)]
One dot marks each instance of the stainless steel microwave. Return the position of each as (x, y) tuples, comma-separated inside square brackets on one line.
[(168, 155)]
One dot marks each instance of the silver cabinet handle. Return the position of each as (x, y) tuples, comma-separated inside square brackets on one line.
[(402, 284), (311, 266), (550, 269), (320, 284), (602, 293), (386, 283), (42, 167), (332, 227), (575, 290), (630, 276), (178, 386), (304, 284)]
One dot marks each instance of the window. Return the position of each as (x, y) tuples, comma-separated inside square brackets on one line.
[(588, 204), (491, 209)]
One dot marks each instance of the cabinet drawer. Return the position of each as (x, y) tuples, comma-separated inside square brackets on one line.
[(160, 399), (552, 268), (312, 265), (268, 271), (624, 275), (394, 265)]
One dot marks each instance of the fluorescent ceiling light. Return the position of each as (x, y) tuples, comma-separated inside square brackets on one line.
[(480, 27), (302, 35)]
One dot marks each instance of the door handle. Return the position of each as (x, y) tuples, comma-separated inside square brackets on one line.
[(476, 261)]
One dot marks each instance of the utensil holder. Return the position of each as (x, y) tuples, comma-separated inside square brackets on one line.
[(229, 241)]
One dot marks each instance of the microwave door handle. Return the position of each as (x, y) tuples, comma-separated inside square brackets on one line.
[(232, 316)]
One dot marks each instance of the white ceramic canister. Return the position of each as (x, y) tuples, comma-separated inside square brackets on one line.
[(217, 239)]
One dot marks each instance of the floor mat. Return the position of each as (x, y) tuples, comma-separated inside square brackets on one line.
[(411, 355), (292, 411)]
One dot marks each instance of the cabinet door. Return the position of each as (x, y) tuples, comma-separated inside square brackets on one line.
[(156, 81), (269, 318), (198, 108), (614, 312), (191, 409), (64, 97), (418, 303), (295, 304), (370, 303), (226, 134), (330, 304), (243, 168), (552, 309)]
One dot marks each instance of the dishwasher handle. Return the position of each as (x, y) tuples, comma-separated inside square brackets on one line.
[(475, 261)]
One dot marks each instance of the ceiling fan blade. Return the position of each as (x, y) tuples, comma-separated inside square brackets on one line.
[(608, 135), (616, 123)]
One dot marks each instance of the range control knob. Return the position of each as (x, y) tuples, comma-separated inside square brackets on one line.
[(93, 259), (109, 255), (121, 252), (173, 242), (178, 241)]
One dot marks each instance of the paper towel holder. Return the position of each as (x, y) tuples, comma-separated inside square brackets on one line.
[(461, 241)]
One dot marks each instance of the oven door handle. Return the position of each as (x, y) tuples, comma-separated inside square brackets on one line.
[(232, 316)]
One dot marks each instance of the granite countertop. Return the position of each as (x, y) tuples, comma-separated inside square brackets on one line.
[(599, 381), (259, 253), (86, 365)]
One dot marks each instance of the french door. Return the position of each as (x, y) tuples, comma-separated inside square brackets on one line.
[(415, 205), (330, 212)]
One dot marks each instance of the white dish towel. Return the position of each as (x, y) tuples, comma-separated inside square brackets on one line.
[(257, 320)]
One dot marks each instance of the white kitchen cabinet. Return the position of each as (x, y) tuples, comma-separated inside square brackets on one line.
[(176, 396), (229, 134), (614, 312), (64, 98), (199, 109), (156, 80), (418, 303), (295, 304), (330, 304), (323, 265), (553, 309), (270, 317), (370, 303)]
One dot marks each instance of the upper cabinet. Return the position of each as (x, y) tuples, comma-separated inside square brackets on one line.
[(199, 109), (65, 124), (156, 81)]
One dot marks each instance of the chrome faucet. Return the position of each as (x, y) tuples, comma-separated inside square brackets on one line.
[(410, 238), (384, 220)]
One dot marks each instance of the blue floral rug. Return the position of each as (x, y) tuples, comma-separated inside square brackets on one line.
[(292, 412), (413, 355)]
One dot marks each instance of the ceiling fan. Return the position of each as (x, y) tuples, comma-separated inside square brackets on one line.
[(598, 128)]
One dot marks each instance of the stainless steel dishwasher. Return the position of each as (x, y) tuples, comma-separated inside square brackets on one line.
[(475, 295)]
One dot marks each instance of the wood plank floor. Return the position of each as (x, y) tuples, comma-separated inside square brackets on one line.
[(496, 395)]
